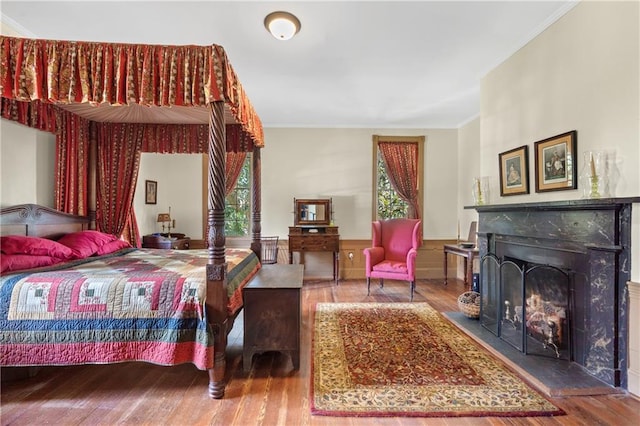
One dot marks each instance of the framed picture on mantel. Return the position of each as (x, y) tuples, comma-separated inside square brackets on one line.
[(514, 171), (556, 167)]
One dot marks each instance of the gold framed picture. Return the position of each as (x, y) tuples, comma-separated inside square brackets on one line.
[(556, 168), (514, 171)]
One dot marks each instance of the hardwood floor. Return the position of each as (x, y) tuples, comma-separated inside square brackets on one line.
[(272, 393)]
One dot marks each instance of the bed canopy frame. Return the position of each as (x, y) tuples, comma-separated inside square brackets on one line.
[(168, 98)]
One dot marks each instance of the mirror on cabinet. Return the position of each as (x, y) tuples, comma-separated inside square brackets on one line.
[(312, 211)]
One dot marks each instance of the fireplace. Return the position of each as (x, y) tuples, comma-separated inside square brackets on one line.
[(553, 280), (530, 306)]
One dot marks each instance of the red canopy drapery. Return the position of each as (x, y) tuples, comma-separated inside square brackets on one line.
[(157, 137), (72, 72), (72, 164)]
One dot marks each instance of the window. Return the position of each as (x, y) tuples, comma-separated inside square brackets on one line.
[(389, 203), (387, 200), (237, 209)]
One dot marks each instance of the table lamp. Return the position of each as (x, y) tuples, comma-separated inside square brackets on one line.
[(165, 219)]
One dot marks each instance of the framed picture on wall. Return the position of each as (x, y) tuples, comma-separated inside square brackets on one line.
[(556, 168), (514, 171), (150, 192)]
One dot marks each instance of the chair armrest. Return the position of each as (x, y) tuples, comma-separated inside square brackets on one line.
[(372, 256)]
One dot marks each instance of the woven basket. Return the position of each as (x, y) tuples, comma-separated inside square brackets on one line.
[(469, 304)]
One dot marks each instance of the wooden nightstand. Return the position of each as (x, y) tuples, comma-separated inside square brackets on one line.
[(176, 242)]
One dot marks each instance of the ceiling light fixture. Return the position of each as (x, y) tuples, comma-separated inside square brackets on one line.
[(282, 25)]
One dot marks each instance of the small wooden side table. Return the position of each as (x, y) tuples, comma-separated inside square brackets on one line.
[(306, 238), (468, 253), (272, 313)]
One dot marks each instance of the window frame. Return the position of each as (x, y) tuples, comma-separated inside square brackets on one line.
[(420, 142)]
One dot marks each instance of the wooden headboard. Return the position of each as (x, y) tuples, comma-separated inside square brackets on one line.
[(39, 221)]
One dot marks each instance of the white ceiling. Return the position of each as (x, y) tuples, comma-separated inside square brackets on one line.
[(376, 64)]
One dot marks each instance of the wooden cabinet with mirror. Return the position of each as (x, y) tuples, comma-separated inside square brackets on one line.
[(313, 230)]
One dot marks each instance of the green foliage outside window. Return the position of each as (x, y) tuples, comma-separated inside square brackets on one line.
[(237, 209), (390, 205)]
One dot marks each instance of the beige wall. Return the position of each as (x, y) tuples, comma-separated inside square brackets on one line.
[(338, 163), (579, 74), (179, 178), (7, 29), (468, 168), (26, 165), (308, 163)]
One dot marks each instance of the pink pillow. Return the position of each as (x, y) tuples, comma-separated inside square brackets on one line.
[(113, 246), (86, 243), (18, 262), (19, 244)]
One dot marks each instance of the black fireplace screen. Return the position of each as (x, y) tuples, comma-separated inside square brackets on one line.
[(527, 305)]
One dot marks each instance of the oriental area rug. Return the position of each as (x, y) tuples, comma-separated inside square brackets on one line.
[(407, 360)]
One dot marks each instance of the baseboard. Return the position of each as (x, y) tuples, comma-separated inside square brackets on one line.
[(633, 378)]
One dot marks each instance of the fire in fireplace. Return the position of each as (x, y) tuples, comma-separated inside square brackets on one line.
[(545, 322)]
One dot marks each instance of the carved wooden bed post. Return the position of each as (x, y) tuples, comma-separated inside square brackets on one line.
[(216, 302), (256, 203)]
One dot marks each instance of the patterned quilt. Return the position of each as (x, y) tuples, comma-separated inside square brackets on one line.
[(136, 305)]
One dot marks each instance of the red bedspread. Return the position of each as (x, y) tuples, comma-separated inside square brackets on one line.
[(140, 305)]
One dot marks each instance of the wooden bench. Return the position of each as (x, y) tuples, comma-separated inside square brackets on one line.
[(272, 313)]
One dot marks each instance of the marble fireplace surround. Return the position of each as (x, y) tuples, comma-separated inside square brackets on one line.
[(593, 239)]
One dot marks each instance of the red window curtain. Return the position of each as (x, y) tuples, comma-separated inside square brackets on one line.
[(72, 164), (233, 167), (119, 147), (401, 163)]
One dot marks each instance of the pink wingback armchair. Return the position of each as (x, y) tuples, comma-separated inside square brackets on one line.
[(393, 255)]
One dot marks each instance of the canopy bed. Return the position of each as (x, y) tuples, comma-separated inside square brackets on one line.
[(107, 103)]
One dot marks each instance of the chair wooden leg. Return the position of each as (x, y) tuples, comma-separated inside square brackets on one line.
[(413, 287), (445, 268), (381, 283), (368, 286)]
